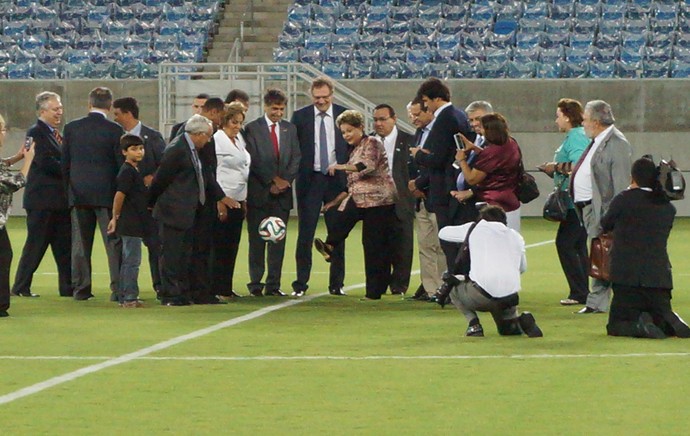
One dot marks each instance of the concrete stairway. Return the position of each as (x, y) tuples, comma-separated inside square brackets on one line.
[(260, 34)]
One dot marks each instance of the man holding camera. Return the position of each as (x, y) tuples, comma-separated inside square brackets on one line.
[(489, 267)]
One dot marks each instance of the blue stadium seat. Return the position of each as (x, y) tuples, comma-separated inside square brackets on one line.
[(661, 40), (370, 42), (657, 55), (430, 13), (126, 70), (47, 71), (577, 55), (629, 70), (574, 70), (561, 12), (76, 56), (138, 42), (47, 56), (557, 26), (282, 55), (481, 13), (464, 70), (344, 42), (470, 55), (580, 41), (360, 70), (537, 11), (19, 70), (393, 55), (525, 55), (449, 27), (613, 12), (118, 28), (607, 41), (398, 27), (393, 42), (584, 12), (551, 55), (455, 13), (447, 42), (472, 41), (585, 27), (404, 13), (681, 53), (680, 69), (389, 70), (87, 42), (313, 57), (126, 13), (656, 70), (521, 70), (555, 39), (493, 70), (336, 71), (498, 55), (318, 42)]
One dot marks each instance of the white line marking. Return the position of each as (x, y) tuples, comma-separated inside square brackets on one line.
[(539, 244), (260, 358), (55, 381)]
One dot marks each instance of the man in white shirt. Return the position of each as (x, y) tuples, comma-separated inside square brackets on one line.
[(602, 172), (396, 143), (497, 258)]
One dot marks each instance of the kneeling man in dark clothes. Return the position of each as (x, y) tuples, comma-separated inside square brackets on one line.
[(492, 281), (641, 218)]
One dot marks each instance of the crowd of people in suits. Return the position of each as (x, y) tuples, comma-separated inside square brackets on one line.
[(214, 172)]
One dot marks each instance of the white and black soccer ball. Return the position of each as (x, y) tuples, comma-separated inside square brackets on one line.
[(272, 229)]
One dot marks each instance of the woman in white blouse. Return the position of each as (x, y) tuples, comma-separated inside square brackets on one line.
[(232, 173)]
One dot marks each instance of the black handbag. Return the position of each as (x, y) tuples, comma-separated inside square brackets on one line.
[(556, 205), (526, 189)]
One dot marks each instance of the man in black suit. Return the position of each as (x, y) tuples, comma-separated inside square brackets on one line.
[(274, 148), (397, 144), (126, 114), (439, 152), (178, 193), (197, 104), (91, 159), (45, 201), (321, 145), (641, 219)]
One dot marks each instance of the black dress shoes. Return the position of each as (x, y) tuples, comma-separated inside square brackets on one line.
[(647, 329), (337, 291), (588, 309), (397, 292), (475, 330), (4, 314), (26, 294), (83, 297), (323, 248), (274, 293), (529, 325), (211, 300), (175, 301), (256, 293)]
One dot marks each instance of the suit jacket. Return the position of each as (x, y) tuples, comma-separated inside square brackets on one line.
[(91, 159), (403, 168), (303, 119), (264, 166), (45, 186), (154, 145), (641, 222), (611, 164), (176, 130), (439, 161), (174, 191)]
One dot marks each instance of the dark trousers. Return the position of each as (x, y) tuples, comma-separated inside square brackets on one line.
[(321, 191), (84, 221), (46, 228), (175, 258), (377, 240), (401, 259), (200, 289), (152, 241), (226, 244), (259, 259), (629, 302), (5, 262), (449, 249), (571, 244)]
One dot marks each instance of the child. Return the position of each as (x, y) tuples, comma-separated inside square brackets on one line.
[(129, 218)]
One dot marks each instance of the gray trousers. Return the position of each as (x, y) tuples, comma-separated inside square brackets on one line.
[(84, 221), (469, 300), (600, 294)]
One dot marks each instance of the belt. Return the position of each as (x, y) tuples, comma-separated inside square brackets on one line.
[(582, 204)]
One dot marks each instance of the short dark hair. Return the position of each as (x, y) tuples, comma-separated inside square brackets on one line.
[(493, 213), (433, 88), (391, 111), (644, 173), (237, 95), (418, 100), (571, 109), (274, 96), (214, 103), (128, 140), (127, 104), (203, 95), (495, 128), (101, 98)]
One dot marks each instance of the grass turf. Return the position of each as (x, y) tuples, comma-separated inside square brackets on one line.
[(329, 371)]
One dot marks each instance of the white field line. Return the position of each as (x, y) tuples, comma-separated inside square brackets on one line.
[(125, 358), (268, 358)]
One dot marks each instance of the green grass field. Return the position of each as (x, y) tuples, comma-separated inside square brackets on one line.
[(333, 364)]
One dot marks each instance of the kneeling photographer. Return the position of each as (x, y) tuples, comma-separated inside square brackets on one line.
[(488, 272)]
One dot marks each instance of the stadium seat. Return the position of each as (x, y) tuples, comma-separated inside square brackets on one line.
[(656, 70), (574, 70), (602, 70)]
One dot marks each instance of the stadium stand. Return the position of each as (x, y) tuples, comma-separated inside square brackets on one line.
[(351, 39), (97, 39)]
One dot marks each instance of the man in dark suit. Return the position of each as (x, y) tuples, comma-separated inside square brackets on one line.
[(321, 145), (274, 148), (397, 144), (197, 104), (45, 201), (91, 159), (126, 114), (602, 172), (641, 219), (178, 193), (439, 152)]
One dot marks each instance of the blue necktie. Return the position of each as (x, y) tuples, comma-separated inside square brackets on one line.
[(323, 144)]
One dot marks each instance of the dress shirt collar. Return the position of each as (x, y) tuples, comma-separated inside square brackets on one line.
[(329, 112), (96, 110), (439, 110)]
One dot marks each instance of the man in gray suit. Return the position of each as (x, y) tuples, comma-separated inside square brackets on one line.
[(602, 172), (274, 148)]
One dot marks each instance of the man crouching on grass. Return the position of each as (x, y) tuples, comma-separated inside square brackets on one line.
[(488, 279)]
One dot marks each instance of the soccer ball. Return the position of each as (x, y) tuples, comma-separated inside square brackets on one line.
[(272, 229)]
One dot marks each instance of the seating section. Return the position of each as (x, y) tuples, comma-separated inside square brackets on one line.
[(489, 38), (96, 39)]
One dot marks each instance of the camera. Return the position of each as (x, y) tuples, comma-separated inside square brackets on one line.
[(443, 293)]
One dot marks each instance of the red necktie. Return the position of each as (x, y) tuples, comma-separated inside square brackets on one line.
[(57, 136), (274, 140)]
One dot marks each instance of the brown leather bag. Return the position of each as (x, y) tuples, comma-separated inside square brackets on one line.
[(599, 257)]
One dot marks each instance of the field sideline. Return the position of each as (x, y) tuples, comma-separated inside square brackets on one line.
[(333, 364)]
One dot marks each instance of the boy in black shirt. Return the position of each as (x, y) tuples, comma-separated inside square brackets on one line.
[(129, 218)]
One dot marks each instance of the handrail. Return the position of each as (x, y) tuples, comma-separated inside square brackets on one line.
[(296, 75), (236, 51)]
